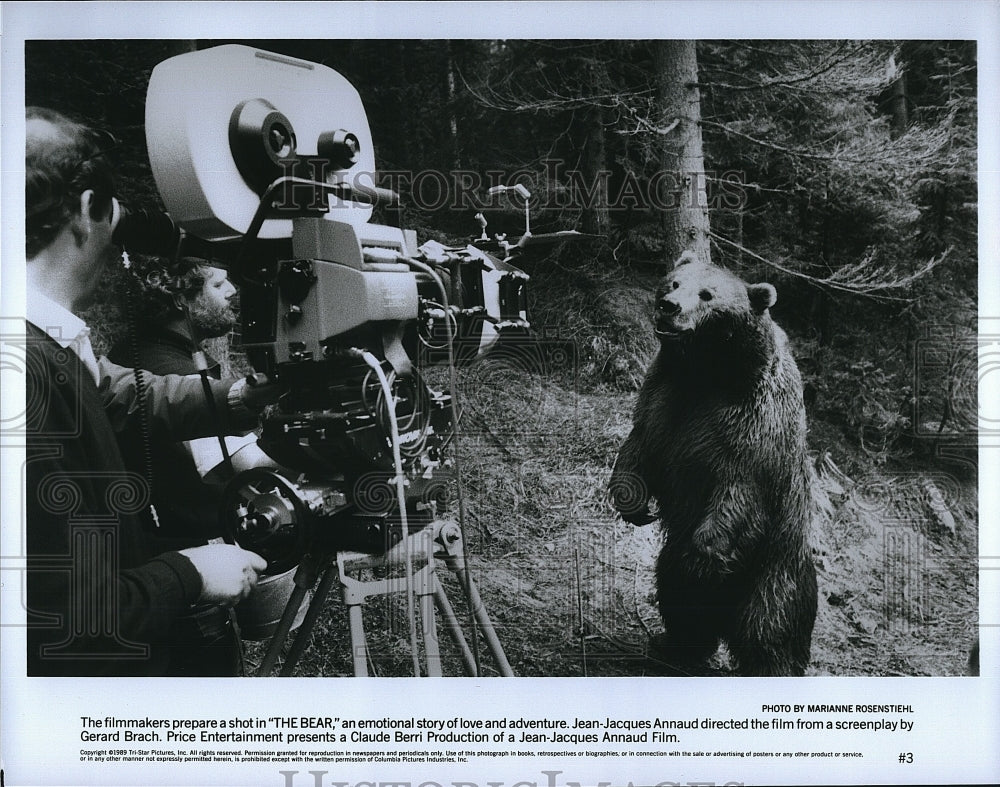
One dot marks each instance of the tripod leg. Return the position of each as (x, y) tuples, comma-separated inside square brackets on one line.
[(277, 640), (359, 651), (483, 619), (429, 628), (308, 622), (454, 628)]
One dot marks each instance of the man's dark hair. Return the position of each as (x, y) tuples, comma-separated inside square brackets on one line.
[(62, 160), (164, 285)]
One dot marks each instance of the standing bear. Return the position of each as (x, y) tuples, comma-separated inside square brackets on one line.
[(719, 442)]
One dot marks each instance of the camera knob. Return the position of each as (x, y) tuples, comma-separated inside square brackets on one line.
[(341, 148)]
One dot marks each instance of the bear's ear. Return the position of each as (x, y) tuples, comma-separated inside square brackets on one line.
[(762, 297), (686, 257)]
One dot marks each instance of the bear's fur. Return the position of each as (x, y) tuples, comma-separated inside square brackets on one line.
[(719, 442)]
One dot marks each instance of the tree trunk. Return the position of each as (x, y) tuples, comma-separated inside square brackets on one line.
[(594, 216), (682, 161), (456, 156), (900, 115)]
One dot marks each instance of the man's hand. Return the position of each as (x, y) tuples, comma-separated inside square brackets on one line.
[(228, 573), (253, 392)]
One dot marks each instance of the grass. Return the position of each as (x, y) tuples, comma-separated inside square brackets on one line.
[(570, 587)]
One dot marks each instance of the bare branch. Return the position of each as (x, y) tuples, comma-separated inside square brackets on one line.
[(858, 278), (783, 149)]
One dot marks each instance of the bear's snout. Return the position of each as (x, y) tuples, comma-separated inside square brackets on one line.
[(667, 319), (668, 307)]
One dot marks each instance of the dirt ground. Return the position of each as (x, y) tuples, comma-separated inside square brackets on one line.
[(569, 586)]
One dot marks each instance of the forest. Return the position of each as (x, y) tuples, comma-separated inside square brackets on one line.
[(844, 173)]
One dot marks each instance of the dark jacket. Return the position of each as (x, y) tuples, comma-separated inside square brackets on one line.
[(161, 350), (204, 644), (187, 506), (100, 601)]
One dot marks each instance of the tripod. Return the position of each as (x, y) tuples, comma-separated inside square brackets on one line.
[(441, 540)]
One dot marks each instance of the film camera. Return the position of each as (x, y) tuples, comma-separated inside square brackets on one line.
[(265, 163)]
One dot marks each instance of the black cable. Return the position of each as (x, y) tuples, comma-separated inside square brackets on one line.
[(131, 295), (419, 413)]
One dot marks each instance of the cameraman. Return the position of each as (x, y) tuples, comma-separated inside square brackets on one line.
[(178, 305), (100, 600)]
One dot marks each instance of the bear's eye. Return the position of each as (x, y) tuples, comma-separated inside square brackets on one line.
[(705, 295), (674, 284)]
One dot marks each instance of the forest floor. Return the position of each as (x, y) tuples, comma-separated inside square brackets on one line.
[(570, 587)]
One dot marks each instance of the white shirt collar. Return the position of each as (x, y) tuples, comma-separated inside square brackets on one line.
[(59, 323)]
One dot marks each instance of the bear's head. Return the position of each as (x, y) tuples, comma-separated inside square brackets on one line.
[(697, 296)]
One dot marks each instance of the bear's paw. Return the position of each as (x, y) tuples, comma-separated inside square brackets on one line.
[(713, 541)]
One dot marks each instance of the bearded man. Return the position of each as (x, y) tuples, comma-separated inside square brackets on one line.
[(177, 306)]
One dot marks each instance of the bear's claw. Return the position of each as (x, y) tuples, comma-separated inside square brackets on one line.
[(638, 518)]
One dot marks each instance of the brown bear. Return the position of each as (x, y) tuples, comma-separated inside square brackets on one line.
[(719, 442)]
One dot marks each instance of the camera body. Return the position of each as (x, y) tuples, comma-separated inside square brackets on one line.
[(267, 162)]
